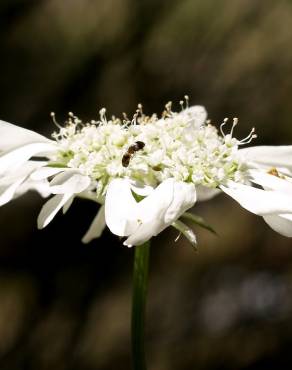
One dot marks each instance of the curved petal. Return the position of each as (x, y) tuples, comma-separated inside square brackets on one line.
[(42, 187), (163, 206), (15, 183), (7, 191), (184, 197), (17, 157), (97, 226), (45, 172), (121, 211), (142, 190), (67, 205), (280, 224), (51, 208), (258, 201), (69, 182), (271, 182), (12, 136), (204, 193), (269, 156)]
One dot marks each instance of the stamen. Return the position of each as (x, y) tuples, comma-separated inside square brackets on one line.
[(140, 109), (53, 116), (222, 125), (134, 119), (102, 113), (235, 122), (249, 138), (168, 106)]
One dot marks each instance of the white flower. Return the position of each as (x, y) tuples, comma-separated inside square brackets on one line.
[(146, 173)]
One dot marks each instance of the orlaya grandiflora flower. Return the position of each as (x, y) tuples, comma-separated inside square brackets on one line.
[(145, 188)]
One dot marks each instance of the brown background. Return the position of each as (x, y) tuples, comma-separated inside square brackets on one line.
[(66, 306)]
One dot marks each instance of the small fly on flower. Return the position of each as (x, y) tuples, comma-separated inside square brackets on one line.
[(138, 145)]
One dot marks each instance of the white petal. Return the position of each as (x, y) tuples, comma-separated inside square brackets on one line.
[(120, 208), (163, 206), (7, 191), (97, 226), (269, 156), (204, 193), (69, 182), (258, 201), (17, 157), (12, 136), (271, 182), (67, 205), (184, 197), (280, 224), (42, 187), (45, 172), (51, 208), (15, 183), (142, 190)]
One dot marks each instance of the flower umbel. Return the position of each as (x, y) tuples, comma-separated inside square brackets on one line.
[(179, 145), (146, 172)]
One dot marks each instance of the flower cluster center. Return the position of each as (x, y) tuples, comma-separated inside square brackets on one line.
[(148, 150)]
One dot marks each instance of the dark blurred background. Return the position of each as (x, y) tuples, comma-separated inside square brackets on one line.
[(66, 306)]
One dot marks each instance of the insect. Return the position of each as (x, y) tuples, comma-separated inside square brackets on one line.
[(138, 145)]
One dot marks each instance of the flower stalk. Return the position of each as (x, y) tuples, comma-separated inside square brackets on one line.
[(140, 284)]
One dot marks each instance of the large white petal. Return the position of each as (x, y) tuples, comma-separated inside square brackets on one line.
[(121, 210), (271, 182), (13, 159), (51, 208), (42, 187), (161, 208), (8, 190), (12, 136), (97, 226), (15, 183), (269, 156), (69, 182), (258, 201), (184, 197), (280, 224)]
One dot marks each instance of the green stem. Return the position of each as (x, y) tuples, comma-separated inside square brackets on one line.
[(140, 283)]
